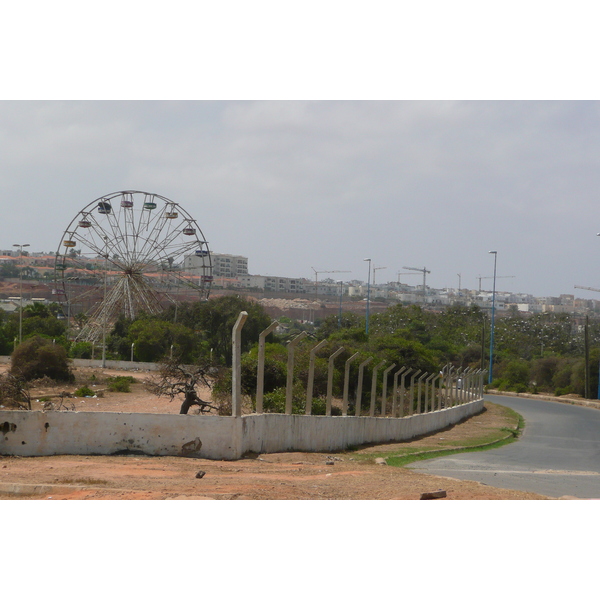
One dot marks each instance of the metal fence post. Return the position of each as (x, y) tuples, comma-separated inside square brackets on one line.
[(260, 370), (360, 384), (374, 388), (289, 388), (395, 392), (347, 384), (236, 365), (412, 392), (384, 388), (330, 380), (311, 377)]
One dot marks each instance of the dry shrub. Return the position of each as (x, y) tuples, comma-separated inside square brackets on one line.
[(14, 392)]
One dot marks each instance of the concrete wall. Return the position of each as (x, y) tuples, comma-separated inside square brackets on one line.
[(110, 364), (37, 433), (116, 364)]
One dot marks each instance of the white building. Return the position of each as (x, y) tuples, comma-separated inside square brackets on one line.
[(229, 266), (273, 284)]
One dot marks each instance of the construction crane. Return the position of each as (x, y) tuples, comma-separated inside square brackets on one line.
[(317, 276), (376, 269), (401, 273), (498, 277), (582, 287), (424, 271)]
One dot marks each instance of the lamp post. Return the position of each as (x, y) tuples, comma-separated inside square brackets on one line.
[(368, 296), (340, 311), (104, 303), (69, 305), (20, 247), (495, 253)]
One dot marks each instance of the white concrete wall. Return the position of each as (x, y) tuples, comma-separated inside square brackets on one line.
[(280, 433), (116, 364), (110, 364), (37, 433)]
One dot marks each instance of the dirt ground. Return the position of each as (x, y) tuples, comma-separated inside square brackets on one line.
[(284, 476)]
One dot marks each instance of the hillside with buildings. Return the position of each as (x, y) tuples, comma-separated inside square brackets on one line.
[(32, 275)]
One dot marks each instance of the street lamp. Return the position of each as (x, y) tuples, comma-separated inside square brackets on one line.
[(20, 247), (69, 305), (104, 303), (340, 311), (495, 253), (368, 296)]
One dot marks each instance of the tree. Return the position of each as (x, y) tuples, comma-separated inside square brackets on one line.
[(153, 340), (215, 320), (38, 357), (175, 379), (14, 392)]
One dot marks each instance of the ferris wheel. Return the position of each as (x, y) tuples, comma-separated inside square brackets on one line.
[(126, 253)]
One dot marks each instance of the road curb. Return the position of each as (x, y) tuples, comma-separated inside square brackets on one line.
[(458, 448), (561, 399)]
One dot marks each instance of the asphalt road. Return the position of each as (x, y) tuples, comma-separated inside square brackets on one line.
[(557, 455)]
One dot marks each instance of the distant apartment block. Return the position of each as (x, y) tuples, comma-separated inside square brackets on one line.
[(286, 285), (223, 265)]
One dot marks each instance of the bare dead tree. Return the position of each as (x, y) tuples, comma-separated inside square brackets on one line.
[(14, 392), (62, 403), (174, 379)]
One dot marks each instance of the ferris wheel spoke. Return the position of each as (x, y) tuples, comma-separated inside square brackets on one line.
[(147, 296), (97, 238), (115, 229), (172, 248), (155, 236), (83, 242)]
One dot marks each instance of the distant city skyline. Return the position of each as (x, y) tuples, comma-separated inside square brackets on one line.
[(301, 185), (330, 278)]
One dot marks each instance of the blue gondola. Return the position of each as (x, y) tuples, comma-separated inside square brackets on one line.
[(104, 208)]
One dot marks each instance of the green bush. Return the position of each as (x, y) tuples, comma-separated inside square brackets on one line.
[(38, 357), (81, 350), (120, 383), (563, 391), (84, 391), (274, 402)]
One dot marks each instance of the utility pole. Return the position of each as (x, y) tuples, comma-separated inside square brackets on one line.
[(368, 297), (490, 379), (587, 356), (105, 310), (20, 247)]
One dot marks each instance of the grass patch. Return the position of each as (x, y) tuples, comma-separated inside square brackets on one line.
[(494, 438)]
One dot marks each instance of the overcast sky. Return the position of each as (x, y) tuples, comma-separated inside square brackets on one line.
[(297, 185)]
